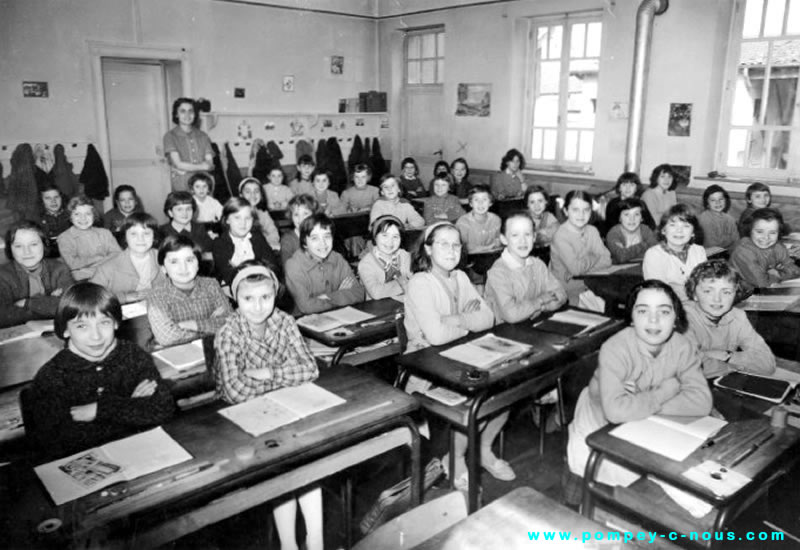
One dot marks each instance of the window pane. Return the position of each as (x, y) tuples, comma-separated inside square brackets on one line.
[(793, 20), (428, 72), (782, 94), (413, 46), (549, 77), (779, 150), (549, 146), (748, 92), (582, 100), (571, 145), (755, 149), (545, 112), (587, 144), (440, 71), (737, 146), (541, 42), (440, 44), (536, 148), (555, 42), (773, 22), (752, 18), (577, 40), (413, 72), (593, 35), (428, 45)]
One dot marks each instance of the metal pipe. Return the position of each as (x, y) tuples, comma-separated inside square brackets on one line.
[(648, 9)]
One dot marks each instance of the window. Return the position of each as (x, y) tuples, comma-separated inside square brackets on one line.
[(563, 81), (760, 126), (425, 57)]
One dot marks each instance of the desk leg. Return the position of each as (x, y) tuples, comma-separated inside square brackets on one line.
[(587, 507), (338, 355), (474, 451), (401, 379)]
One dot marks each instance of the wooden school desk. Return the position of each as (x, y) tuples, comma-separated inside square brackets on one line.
[(645, 503), (497, 389), (372, 421), (506, 522), (779, 328), (381, 327)]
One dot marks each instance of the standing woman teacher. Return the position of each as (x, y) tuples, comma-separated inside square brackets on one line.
[(187, 147)]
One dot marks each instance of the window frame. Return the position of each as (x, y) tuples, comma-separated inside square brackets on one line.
[(533, 70), (791, 174), (435, 30)]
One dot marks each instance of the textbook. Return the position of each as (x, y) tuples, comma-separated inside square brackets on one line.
[(323, 322), (31, 329), (487, 351), (762, 387), (280, 407), (126, 459), (570, 322), (674, 437)]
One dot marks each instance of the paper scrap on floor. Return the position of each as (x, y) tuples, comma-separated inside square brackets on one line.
[(672, 437)]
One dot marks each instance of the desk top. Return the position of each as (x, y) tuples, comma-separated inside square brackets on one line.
[(505, 522), (209, 437), (549, 350), (381, 327), (22, 359)]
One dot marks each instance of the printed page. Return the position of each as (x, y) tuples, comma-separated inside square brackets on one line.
[(145, 453), (306, 399), (658, 438), (184, 356), (584, 318), (473, 355), (319, 322), (349, 315), (260, 415), (703, 427)]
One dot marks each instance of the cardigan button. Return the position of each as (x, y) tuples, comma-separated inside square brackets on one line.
[(100, 390)]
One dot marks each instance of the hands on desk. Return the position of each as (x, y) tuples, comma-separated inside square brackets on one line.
[(145, 388), (84, 413)]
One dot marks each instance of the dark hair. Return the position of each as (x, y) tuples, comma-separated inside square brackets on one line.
[(50, 187), (82, 200), (122, 189), (301, 200), (180, 101), (710, 190), (440, 164), (441, 177), (308, 225), (509, 156), (517, 214), (176, 198), (628, 177), (663, 168), (767, 215), (306, 159), (409, 160), (85, 299), (633, 202), (681, 324), (480, 188), (325, 173), (201, 176), (463, 161), (279, 169), (362, 168), (143, 219), (530, 190), (684, 213), (232, 206), (382, 223), (173, 243), (421, 260), (27, 225), (577, 194), (712, 269), (755, 187), (262, 202)]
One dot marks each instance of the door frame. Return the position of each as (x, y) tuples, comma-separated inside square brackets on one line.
[(133, 52)]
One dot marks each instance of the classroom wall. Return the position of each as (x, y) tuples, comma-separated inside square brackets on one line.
[(486, 44), (229, 45)]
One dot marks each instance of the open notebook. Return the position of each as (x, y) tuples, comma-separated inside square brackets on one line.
[(323, 322), (674, 437), (487, 351)]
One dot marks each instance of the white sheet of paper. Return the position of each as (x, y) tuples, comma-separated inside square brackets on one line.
[(184, 356), (135, 309), (769, 302), (586, 319), (659, 437), (349, 315)]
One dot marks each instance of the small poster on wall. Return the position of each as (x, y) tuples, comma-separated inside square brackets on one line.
[(337, 64), (680, 119), (34, 89), (474, 100)]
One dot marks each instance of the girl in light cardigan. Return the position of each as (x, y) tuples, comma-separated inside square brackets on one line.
[(384, 271), (442, 306)]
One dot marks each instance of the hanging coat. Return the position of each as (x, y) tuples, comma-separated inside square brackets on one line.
[(93, 176), (222, 191), (354, 158), (322, 155), (23, 196), (336, 165), (233, 172), (63, 176), (376, 162), (275, 154), (263, 165), (302, 147), (366, 154)]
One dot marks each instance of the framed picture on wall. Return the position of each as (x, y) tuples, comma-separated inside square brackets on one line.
[(35, 89), (474, 100), (288, 83), (337, 64), (680, 119)]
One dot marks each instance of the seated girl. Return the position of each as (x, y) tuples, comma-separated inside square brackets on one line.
[(441, 170), (757, 195), (510, 181), (519, 286), (301, 184), (648, 368), (55, 218), (628, 187), (329, 202), (209, 209), (459, 170), (725, 338), (83, 247), (132, 273), (181, 210), (317, 277), (545, 223), (441, 205), (390, 203), (660, 197), (442, 306), (187, 306), (126, 202), (360, 197), (98, 388), (30, 284), (409, 182), (760, 257), (239, 242), (577, 249), (479, 228), (276, 191), (300, 207), (719, 227), (630, 239), (384, 271), (258, 350), (676, 256), (250, 189)]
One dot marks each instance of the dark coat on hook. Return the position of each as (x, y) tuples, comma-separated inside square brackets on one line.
[(222, 191), (356, 151), (93, 176), (234, 173), (63, 176), (336, 165), (377, 162), (322, 155), (275, 154), (303, 147), (263, 165)]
